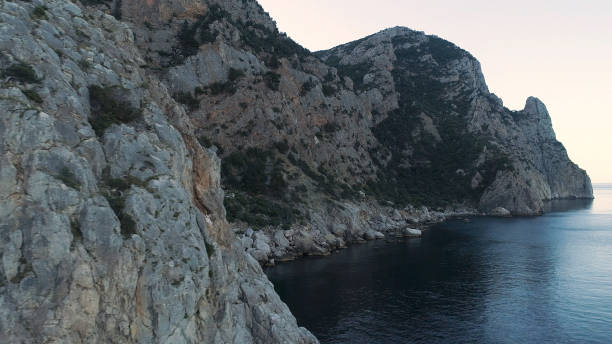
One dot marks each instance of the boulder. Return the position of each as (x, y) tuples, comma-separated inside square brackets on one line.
[(501, 211), (412, 232)]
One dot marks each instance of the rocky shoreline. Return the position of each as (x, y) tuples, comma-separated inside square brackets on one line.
[(271, 245)]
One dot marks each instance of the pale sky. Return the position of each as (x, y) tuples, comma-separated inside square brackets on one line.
[(557, 50)]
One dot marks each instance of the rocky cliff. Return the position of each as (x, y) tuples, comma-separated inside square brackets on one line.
[(111, 218), (448, 136), (128, 128)]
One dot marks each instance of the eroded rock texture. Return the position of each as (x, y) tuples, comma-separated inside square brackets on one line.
[(111, 221)]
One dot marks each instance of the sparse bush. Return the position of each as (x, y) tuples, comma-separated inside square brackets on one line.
[(186, 38), (68, 178), (108, 109), (22, 72), (258, 211), (356, 72), (128, 226), (329, 90), (443, 51), (331, 127), (115, 195), (94, 2), (33, 96), (234, 74), (187, 99), (222, 87), (39, 12), (306, 87), (204, 141), (75, 228), (127, 223), (249, 172), (272, 80), (188, 34), (85, 64), (210, 249), (118, 184)]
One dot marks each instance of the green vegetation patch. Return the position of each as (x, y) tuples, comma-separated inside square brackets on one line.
[(39, 12), (210, 250), (33, 96), (329, 90), (258, 211), (85, 64), (307, 86), (272, 80), (356, 72), (222, 88), (324, 180), (444, 51), (22, 72), (441, 50), (107, 108), (68, 178), (255, 171), (187, 99), (254, 35), (429, 175), (116, 192), (193, 34), (235, 74)]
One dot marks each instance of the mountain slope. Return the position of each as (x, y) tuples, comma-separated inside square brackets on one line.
[(447, 124), (325, 144)]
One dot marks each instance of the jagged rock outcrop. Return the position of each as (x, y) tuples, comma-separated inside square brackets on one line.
[(111, 219), (508, 159)]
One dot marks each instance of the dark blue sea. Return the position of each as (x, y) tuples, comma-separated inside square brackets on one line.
[(541, 279)]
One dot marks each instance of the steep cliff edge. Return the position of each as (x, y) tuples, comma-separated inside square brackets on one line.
[(111, 219), (448, 125)]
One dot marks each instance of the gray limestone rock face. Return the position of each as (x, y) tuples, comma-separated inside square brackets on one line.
[(113, 233)]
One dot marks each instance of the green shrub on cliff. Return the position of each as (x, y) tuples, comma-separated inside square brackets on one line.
[(259, 211), (272, 80), (107, 108), (21, 72)]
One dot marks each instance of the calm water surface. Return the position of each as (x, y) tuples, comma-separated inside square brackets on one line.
[(525, 280)]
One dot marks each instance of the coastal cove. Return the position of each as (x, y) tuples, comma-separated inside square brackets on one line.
[(504, 280), (156, 154)]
